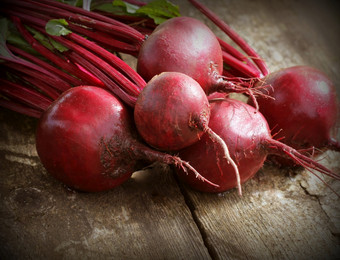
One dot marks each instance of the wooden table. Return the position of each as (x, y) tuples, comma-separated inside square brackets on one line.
[(283, 214)]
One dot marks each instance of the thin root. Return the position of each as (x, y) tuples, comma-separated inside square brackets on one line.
[(219, 140), (185, 166)]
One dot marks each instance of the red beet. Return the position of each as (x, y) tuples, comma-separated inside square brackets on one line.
[(247, 135), (303, 108), (87, 141), (186, 45), (182, 44), (172, 111)]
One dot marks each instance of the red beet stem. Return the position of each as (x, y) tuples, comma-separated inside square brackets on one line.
[(115, 75), (78, 10), (24, 95), (106, 40), (68, 78), (233, 35), (20, 108), (60, 62), (120, 81), (41, 85), (23, 66), (238, 55), (110, 58), (81, 16), (36, 72), (109, 83), (244, 69)]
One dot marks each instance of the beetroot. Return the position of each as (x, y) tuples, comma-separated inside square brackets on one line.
[(186, 45), (247, 135), (172, 111), (181, 44), (86, 140), (303, 109)]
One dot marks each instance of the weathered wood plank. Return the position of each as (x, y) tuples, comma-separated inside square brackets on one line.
[(275, 218)]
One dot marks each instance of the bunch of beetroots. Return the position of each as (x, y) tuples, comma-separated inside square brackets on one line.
[(187, 96), (182, 60), (70, 167), (299, 102)]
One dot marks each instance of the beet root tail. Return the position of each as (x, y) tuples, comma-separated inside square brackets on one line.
[(186, 166), (309, 164), (216, 138)]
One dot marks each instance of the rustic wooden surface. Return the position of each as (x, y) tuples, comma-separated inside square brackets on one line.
[(283, 214)]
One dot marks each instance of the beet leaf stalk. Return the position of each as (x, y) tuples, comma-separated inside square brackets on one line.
[(82, 17), (235, 62), (124, 39), (233, 35), (51, 56), (126, 85)]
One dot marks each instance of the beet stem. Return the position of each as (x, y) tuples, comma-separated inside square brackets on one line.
[(112, 59), (237, 54), (20, 108), (68, 78), (51, 55), (30, 97), (41, 85), (233, 35), (114, 74), (36, 72), (133, 88), (109, 83), (23, 65), (240, 66), (81, 16), (105, 40)]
